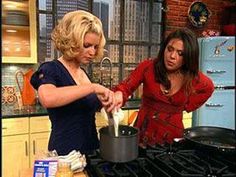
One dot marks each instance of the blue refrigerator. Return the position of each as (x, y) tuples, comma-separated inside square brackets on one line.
[(217, 61)]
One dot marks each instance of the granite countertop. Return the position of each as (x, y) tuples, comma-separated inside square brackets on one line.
[(38, 110)]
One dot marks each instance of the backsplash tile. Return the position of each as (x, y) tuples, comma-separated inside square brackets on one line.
[(9, 80)]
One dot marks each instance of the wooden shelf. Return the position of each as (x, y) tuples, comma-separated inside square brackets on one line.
[(19, 42)]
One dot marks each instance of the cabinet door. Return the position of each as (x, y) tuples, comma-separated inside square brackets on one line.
[(39, 124), (38, 146), (19, 39), (132, 116), (15, 126), (187, 119), (15, 155)]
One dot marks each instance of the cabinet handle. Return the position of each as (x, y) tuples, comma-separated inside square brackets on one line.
[(216, 71), (34, 147), (4, 128), (26, 148), (214, 105)]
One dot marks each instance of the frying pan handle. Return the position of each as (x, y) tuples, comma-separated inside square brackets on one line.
[(178, 139)]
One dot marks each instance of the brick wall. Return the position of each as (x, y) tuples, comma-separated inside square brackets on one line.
[(177, 15)]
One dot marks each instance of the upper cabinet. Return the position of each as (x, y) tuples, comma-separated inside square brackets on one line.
[(19, 39)]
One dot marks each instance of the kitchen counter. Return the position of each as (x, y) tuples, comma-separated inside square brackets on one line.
[(29, 173), (38, 110), (29, 111)]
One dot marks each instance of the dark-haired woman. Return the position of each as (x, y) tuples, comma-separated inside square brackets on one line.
[(172, 83)]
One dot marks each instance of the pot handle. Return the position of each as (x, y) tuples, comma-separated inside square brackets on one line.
[(18, 73)]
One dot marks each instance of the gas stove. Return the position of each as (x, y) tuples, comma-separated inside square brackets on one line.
[(176, 160)]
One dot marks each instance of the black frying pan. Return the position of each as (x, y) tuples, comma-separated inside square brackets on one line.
[(212, 138)]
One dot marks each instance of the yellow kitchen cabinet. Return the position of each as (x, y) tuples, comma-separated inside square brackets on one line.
[(15, 146), (19, 39), (38, 146), (130, 116), (23, 140), (100, 121), (187, 119), (40, 128), (125, 120)]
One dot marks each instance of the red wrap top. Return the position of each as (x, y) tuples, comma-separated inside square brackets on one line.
[(160, 116)]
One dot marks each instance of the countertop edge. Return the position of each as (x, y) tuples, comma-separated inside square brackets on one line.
[(133, 104)]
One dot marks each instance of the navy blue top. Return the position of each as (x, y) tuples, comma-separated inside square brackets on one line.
[(73, 125)]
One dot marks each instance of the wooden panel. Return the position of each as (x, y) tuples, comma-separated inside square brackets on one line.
[(15, 126), (187, 119), (126, 116), (187, 115), (100, 120), (19, 39), (38, 146), (40, 124), (15, 155), (187, 123)]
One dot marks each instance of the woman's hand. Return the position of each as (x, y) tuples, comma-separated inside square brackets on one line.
[(106, 97), (118, 99)]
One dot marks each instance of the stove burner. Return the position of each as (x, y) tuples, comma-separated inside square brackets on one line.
[(141, 167), (176, 160), (184, 162)]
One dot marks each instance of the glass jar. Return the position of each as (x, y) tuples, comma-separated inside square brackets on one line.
[(64, 169)]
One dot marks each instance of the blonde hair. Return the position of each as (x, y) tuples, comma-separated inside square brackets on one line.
[(68, 35)]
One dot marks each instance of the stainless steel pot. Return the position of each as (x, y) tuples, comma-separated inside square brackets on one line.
[(123, 148)]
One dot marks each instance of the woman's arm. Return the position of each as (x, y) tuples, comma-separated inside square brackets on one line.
[(131, 83), (204, 88), (52, 96)]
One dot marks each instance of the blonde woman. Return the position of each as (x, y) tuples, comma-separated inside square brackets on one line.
[(65, 89)]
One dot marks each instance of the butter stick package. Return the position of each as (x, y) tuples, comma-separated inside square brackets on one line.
[(45, 168)]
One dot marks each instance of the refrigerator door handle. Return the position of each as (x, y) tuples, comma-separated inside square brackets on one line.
[(222, 87), (214, 105), (215, 71)]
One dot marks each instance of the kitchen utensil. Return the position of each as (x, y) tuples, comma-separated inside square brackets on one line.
[(113, 118), (123, 148), (212, 138), (27, 91), (110, 122)]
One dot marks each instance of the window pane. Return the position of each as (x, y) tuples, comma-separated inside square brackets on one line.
[(156, 33), (157, 12), (134, 54), (115, 75), (103, 74), (113, 53), (45, 47), (108, 12), (127, 70), (154, 51), (136, 20), (45, 5), (64, 6)]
